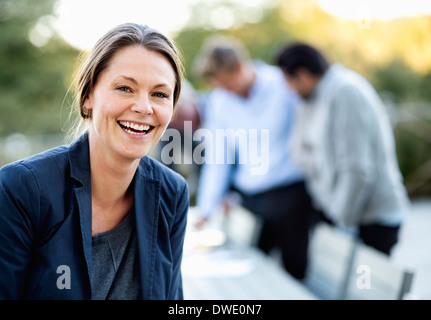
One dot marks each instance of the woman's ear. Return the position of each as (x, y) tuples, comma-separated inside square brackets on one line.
[(87, 103), (86, 108)]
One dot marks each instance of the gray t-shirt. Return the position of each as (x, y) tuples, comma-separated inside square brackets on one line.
[(115, 265)]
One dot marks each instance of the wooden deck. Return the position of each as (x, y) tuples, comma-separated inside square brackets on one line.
[(414, 248), (217, 267)]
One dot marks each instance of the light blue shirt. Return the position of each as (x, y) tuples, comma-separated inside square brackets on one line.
[(261, 125)]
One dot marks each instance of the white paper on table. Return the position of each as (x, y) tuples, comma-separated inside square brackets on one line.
[(218, 264)]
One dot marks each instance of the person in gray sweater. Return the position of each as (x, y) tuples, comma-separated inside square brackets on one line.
[(344, 142)]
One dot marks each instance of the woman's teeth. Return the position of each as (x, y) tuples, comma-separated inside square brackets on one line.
[(134, 128)]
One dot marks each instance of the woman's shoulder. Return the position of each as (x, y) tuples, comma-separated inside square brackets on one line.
[(39, 164)]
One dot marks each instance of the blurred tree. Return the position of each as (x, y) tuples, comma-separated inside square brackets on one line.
[(34, 74), (399, 80), (414, 155)]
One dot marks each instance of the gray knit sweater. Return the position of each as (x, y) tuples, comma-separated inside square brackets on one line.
[(345, 145)]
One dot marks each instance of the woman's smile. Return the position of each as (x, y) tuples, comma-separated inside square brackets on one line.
[(135, 128)]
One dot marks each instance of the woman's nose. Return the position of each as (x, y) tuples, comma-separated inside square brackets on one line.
[(143, 106)]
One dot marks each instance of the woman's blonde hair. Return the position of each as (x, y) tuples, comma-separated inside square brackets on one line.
[(121, 36)]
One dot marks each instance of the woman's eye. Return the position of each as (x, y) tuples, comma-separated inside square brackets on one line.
[(161, 95), (124, 89)]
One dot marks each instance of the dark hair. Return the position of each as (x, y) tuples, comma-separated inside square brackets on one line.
[(301, 55)]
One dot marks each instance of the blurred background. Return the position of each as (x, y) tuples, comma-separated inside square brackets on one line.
[(389, 42)]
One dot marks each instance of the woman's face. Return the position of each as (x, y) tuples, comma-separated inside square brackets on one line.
[(132, 103)]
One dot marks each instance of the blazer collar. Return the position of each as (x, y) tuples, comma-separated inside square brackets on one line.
[(79, 160), (79, 157), (147, 188), (147, 204)]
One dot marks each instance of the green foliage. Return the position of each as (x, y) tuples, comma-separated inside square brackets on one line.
[(414, 154), (33, 80), (402, 83)]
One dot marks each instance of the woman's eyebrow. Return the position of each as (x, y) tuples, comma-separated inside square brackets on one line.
[(134, 81), (163, 85), (129, 79)]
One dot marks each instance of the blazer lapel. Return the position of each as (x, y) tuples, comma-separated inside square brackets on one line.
[(83, 198), (79, 158), (147, 194)]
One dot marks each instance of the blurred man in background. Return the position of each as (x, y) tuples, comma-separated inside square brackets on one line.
[(250, 98), (176, 146), (344, 143)]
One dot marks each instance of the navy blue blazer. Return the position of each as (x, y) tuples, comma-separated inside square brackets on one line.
[(45, 226)]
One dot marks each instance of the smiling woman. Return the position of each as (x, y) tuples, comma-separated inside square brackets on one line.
[(100, 211)]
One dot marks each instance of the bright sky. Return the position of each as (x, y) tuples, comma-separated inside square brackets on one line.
[(376, 9), (82, 22)]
